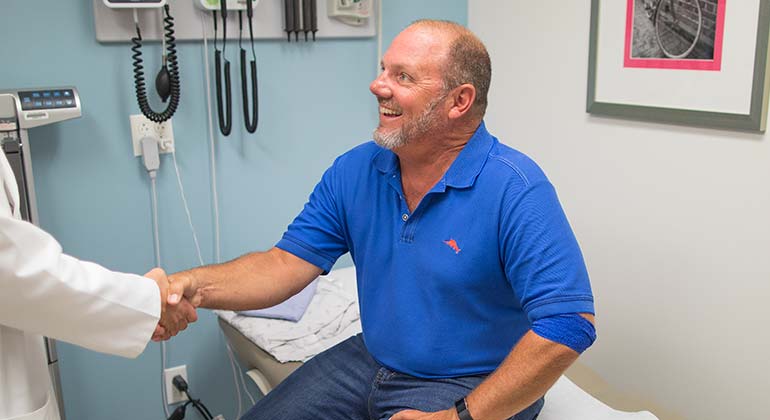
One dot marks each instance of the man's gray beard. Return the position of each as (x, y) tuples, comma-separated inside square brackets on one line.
[(410, 130), (390, 140)]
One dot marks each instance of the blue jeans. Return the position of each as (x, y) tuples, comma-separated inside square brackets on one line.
[(345, 382)]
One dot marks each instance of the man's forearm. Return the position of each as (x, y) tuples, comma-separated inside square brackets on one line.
[(253, 281), (531, 368)]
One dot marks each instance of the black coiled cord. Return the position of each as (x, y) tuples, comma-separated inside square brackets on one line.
[(224, 111), (252, 119), (173, 69)]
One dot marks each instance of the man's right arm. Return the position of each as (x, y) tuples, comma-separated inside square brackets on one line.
[(253, 281)]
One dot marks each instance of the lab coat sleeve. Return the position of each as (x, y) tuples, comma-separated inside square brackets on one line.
[(46, 292)]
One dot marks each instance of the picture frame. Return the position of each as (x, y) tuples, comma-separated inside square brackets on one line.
[(635, 72)]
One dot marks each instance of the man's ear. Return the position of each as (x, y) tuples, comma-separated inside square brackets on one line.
[(463, 96)]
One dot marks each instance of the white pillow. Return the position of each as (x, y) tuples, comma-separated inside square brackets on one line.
[(566, 401)]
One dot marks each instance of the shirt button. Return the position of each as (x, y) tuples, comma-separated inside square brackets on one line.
[(405, 217)]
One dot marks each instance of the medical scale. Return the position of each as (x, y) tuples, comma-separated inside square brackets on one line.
[(21, 110)]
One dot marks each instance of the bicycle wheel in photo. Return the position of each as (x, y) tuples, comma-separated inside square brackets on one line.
[(678, 25)]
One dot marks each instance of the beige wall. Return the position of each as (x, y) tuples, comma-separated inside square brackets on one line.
[(674, 222)]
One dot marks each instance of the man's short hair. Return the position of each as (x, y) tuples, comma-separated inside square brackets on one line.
[(468, 62)]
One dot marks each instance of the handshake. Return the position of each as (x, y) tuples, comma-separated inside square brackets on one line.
[(178, 302)]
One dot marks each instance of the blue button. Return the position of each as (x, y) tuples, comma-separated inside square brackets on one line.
[(26, 99), (38, 104), (56, 94), (59, 103), (48, 103), (67, 93), (69, 102), (46, 94), (35, 94)]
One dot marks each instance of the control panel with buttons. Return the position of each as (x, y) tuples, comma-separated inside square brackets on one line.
[(37, 106), (47, 99)]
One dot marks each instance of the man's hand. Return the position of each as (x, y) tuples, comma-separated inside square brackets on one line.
[(189, 287), (450, 414), (176, 312)]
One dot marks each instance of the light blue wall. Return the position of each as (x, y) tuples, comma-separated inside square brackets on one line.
[(94, 197)]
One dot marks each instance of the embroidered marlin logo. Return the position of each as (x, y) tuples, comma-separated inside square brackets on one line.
[(453, 244)]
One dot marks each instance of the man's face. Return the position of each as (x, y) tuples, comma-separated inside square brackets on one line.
[(410, 88)]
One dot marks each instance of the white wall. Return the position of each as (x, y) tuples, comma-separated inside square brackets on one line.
[(674, 222)]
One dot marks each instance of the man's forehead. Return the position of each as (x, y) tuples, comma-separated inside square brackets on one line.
[(422, 39), (416, 47)]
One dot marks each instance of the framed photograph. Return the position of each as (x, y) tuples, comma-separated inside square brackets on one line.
[(692, 62)]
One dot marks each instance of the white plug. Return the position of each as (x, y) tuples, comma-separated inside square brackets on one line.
[(150, 155), (167, 146)]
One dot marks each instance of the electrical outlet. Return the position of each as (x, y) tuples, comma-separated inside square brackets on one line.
[(142, 127), (173, 395)]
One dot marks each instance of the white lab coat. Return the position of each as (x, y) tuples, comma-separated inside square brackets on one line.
[(45, 292)]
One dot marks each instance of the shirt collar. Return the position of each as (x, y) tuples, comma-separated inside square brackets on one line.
[(463, 171)]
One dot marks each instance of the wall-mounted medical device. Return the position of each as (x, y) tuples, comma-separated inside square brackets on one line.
[(215, 5), (167, 82), (351, 12), (300, 16), (21, 110), (114, 24), (134, 4), (219, 9)]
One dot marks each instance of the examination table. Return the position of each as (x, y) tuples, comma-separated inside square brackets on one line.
[(564, 401)]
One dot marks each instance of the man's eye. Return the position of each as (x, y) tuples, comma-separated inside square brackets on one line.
[(403, 77)]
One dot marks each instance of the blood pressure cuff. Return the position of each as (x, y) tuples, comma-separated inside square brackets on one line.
[(572, 330)]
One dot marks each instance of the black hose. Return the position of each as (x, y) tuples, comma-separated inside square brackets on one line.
[(224, 112), (173, 70), (225, 118), (252, 120)]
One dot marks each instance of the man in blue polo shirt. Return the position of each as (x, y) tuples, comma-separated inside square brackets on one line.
[(473, 293)]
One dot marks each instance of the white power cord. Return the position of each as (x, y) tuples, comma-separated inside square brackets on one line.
[(157, 264), (233, 362), (243, 381), (187, 208), (235, 378), (151, 160), (215, 197), (212, 150), (379, 37), (155, 235), (163, 377)]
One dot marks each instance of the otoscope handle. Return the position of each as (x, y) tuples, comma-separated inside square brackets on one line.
[(297, 17), (249, 9), (306, 18), (223, 8), (288, 10), (314, 16)]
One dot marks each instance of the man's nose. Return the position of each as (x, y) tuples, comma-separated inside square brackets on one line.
[(379, 87)]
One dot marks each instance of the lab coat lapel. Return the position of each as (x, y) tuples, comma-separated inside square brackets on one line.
[(9, 187)]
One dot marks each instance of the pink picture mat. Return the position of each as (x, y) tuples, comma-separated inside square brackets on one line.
[(714, 64)]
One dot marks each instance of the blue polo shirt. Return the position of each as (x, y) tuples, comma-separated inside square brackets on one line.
[(449, 289)]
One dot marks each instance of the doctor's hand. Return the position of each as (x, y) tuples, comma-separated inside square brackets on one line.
[(450, 414), (176, 312), (175, 319)]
